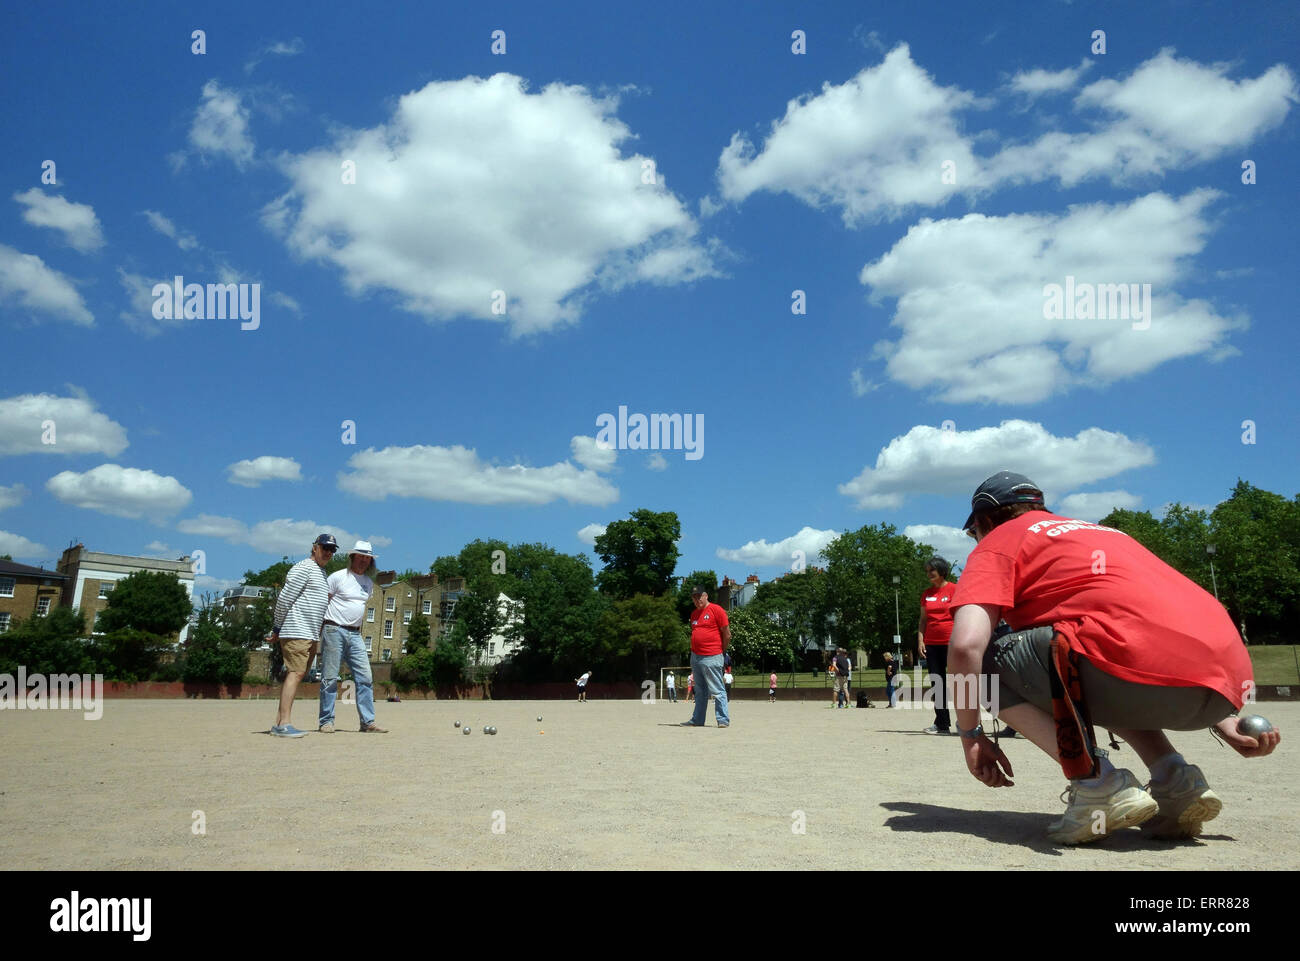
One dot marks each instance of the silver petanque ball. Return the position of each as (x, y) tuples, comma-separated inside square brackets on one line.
[(457, 723), (492, 730), (539, 717), (465, 729), (1252, 725)]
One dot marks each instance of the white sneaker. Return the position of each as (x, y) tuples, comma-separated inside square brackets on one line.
[(1186, 802), (1097, 812)]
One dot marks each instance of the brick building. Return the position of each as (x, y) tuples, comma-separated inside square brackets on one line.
[(28, 592), (91, 577)]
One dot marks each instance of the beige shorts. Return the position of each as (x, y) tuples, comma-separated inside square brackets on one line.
[(296, 652), (841, 684)]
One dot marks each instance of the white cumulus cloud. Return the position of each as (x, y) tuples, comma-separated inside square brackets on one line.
[(164, 226), (72, 424), (591, 455), (220, 126), (20, 548), (282, 536), (120, 491), (475, 187), (1094, 505), (1035, 82), (928, 460), (457, 474), (12, 496), (77, 223), (971, 298), (589, 533), (808, 540), (27, 280), (872, 146), (251, 473), (950, 543)]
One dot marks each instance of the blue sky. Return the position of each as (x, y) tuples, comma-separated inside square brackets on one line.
[(921, 173)]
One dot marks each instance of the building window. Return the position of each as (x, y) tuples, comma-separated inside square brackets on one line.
[(7, 586), (390, 604), (370, 644), (410, 594), (105, 588), (42, 606), (4, 621), (388, 630), (388, 654), (492, 648), (406, 616), (428, 608), (370, 615)]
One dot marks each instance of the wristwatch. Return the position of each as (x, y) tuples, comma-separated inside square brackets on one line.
[(973, 733)]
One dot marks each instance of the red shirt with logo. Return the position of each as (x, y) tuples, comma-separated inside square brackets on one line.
[(706, 633), (1125, 610), (938, 614)]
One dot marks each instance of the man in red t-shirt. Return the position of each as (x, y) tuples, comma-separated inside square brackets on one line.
[(1104, 632), (710, 636)]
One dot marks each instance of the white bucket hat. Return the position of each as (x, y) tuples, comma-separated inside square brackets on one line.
[(364, 547)]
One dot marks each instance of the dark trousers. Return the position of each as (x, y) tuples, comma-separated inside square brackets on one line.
[(936, 659)]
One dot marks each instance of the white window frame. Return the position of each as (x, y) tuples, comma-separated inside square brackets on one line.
[(390, 604), (7, 586), (427, 609), (370, 644), (406, 616), (388, 630), (106, 588), (388, 654), (42, 606), (370, 615), (4, 621), (492, 648)]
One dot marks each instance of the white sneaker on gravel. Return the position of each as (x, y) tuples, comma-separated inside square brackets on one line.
[(1186, 803), (1093, 813)]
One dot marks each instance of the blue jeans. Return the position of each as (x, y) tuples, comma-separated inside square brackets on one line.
[(339, 645), (708, 683)]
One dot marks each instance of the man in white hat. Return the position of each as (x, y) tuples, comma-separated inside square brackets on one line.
[(349, 590)]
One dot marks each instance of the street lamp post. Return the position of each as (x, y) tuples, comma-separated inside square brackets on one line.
[(898, 631), (1209, 549)]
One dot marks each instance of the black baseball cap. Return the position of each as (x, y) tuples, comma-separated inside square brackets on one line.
[(1000, 490), (699, 590), (327, 540)]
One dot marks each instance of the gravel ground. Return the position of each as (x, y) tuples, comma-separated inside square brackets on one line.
[(610, 784)]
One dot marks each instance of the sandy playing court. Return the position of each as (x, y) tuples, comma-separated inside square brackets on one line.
[(611, 784)]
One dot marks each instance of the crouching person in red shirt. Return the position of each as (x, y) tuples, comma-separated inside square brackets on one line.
[(1103, 632)]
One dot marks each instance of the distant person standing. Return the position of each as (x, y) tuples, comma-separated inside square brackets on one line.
[(299, 613), (690, 686), (771, 688), (891, 672), (710, 637), (840, 665), (341, 643), (728, 675), (582, 687), (932, 636), (672, 688)]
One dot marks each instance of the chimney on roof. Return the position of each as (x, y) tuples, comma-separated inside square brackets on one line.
[(751, 579)]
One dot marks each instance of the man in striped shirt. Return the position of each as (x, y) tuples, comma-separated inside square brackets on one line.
[(299, 614)]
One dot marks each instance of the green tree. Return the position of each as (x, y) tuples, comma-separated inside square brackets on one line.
[(272, 576), (53, 644), (1143, 528), (640, 554), (208, 656), (150, 601), (1256, 535), (757, 642), (860, 568), (797, 605), (128, 654), (478, 618), (640, 634), (417, 634), (446, 567)]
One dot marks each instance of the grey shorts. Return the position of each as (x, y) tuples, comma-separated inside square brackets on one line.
[(1021, 661)]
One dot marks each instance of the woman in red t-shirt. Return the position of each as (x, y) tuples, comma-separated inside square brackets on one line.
[(932, 636)]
